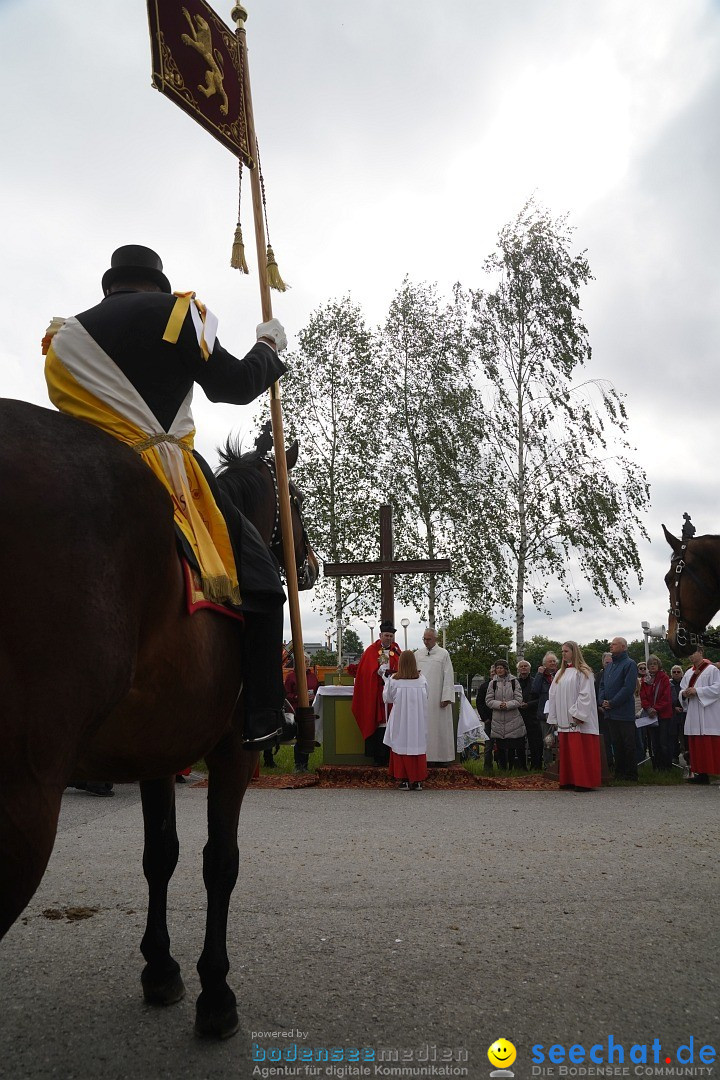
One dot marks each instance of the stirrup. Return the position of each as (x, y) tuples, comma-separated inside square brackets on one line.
[(262, 729), (262, 742)]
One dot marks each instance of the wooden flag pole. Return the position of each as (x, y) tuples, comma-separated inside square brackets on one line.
[(239, 16)]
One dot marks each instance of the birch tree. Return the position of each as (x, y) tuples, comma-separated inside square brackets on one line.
[(432, 421), (330, 406), (559, 491)]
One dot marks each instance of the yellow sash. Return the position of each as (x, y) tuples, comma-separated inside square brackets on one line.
[(195, 511)]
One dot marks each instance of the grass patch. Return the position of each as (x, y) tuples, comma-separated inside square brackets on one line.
[(648, 777), (285, 762), (477, 768)]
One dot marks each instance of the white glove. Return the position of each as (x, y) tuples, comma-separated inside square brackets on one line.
[(275, 331)]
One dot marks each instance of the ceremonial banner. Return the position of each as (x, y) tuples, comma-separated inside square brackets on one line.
[(197, 63)]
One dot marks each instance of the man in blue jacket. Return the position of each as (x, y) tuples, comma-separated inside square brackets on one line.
[(617, 699)]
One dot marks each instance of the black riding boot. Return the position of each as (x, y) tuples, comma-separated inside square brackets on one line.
[(263, 691), (262, 607)]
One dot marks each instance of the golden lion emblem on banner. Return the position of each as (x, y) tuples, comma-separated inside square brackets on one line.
[(200, 39)]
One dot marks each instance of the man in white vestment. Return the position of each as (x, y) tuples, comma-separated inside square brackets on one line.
[(435, 664), (700, 693)]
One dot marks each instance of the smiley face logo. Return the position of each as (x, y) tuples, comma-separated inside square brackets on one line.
[(502, 1053)]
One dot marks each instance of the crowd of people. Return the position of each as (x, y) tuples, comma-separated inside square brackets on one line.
[(624, 716), (641, 714)]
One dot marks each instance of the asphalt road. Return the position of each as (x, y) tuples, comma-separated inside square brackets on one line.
[(385, 920)]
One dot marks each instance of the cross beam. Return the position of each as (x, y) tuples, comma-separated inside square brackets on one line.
[(387, 566)]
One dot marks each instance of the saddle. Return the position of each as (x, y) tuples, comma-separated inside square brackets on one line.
[(195, 598)]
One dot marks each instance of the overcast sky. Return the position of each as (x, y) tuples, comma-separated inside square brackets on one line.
[(397, 137)]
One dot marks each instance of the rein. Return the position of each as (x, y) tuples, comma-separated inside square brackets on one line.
[(683, 635), (304, 573)]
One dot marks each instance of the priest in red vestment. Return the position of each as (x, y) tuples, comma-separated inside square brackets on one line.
[(380, 658)]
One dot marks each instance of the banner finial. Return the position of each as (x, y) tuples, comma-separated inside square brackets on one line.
[(239, 15)]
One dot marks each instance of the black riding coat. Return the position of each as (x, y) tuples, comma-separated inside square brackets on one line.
[(129, 327)]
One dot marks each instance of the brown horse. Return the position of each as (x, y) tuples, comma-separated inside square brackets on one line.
[(693, 582), (103, 673)]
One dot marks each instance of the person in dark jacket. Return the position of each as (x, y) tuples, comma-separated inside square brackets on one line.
[(541, 689), (528, 711), (129, 365), (676, 674), (603, 721), (617, 700), (485, 714)]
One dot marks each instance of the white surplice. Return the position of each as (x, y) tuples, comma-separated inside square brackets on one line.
[(406, 731), (572, 699), (703, 711), (437, 668)]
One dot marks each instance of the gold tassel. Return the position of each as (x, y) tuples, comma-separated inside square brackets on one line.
[(237, 259), (220, 591), (274, 279)]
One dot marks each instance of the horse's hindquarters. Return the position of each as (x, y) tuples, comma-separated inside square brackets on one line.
[(28, 821), (180, 705)]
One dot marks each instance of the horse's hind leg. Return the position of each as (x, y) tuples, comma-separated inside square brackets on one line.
[(230, 769), (161, 980), (28, 822)]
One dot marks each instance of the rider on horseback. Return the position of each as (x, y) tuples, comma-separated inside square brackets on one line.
[(128, 365)]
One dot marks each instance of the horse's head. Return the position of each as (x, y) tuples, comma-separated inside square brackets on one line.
[(250, 481), (305, 558), (694, 589)]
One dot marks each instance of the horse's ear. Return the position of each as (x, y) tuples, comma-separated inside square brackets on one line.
[(673, 541), (264, 441), (291, 455)]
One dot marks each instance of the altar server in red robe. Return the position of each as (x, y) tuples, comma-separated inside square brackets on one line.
[(369, 709), (407, 727), (573, 708), (700, 693)]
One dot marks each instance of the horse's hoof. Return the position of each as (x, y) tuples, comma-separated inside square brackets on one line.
[(216, 1024), (165, 991)]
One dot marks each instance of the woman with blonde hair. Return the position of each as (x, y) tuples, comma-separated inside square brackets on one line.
[(406, 732), (573, 709)]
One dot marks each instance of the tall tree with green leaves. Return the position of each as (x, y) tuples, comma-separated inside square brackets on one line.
[(352, 645), (560, 495), (331, 406), (432, 422), (537, 646), (474, 640)]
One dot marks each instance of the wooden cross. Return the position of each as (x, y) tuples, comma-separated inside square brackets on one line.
[(387, 566)]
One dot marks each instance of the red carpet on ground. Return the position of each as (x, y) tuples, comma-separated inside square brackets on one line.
[(452, 778)]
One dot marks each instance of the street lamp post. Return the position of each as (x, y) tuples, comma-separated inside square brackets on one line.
[(405, 623)]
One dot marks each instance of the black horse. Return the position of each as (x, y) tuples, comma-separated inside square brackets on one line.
[(104, 674)]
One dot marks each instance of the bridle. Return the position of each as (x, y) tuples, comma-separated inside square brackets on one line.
[(305, 575), (683, 635)]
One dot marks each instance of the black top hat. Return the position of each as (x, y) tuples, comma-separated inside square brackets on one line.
[(386, 627), (133, 262)]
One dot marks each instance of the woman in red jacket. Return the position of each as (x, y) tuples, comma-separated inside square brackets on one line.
[(656, 698)]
